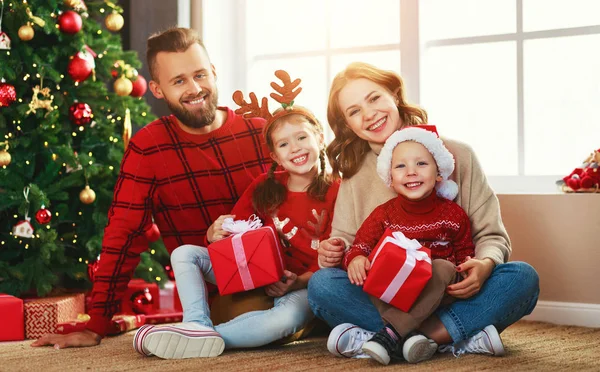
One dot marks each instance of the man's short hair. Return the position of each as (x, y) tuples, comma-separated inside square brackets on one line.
[(173, 40)]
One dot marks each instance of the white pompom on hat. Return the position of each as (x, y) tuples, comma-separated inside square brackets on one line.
[(427, 136)]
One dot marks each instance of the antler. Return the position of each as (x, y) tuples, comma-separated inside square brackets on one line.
[(252, 109), (286, 92)]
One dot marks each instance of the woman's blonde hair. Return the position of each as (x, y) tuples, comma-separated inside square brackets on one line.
[(347, 151), (270, 193)]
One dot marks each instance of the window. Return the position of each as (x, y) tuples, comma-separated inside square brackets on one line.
[(518, 80)]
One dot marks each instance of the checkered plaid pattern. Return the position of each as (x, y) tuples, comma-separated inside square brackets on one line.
[(185, 182)]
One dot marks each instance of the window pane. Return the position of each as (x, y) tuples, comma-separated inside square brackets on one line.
[(444, 19), (551, 14), (388, 60), (562, 103), (359, 23), (469, 92), (314, 82), (283, 26)]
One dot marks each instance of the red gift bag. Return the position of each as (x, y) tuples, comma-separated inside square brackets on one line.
[(400, 269), (12, 318), (246, 260)]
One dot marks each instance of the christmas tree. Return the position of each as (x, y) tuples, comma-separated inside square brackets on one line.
[(68, 97)]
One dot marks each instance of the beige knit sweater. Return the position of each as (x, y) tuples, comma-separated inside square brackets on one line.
[(364, 191)]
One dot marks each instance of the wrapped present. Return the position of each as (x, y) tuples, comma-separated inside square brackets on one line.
[(248, 259), (163, 316), (42, 315), (12, 318), (400, 269), (118, 325), (140, 298)]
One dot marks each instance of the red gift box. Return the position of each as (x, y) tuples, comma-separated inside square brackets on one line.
[(165, 316), (400, 269), (135, 288), (12, 318), (246, 260), (118, 324), (42, 315)]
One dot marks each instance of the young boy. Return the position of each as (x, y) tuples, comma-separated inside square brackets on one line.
[(414, 162)]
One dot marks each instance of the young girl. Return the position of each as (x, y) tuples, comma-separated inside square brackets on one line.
[(297, 202)]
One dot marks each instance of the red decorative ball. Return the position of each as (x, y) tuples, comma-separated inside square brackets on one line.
[(152, 234), (142, 302), (587, 182), (80, 113), (139, 87), (7, 94), (92, 268), (574, 183), (69, 22), (43, 216), (81, 66), (170, 272)]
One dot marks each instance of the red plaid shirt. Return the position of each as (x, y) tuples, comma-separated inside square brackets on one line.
[(185, 182)]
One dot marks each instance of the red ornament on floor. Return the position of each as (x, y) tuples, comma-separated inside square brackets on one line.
[(142, 302), (80, 113), (43, 216), (7, 94)]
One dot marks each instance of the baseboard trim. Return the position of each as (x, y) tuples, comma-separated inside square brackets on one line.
[(566, 313)]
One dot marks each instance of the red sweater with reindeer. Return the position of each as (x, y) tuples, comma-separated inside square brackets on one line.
[(294, 220), (185, 182), (437, 223)]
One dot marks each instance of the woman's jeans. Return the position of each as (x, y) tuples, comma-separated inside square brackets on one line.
[(510, 293), (193, 268)]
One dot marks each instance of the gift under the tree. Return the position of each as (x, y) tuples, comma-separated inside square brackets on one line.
[(119, 324), (12, 320), (140, 298), (163, 316), (400, 269), (248, 259), (42, 315)]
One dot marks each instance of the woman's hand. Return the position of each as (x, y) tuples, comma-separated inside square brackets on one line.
[(215, 231), (475, 272), (357, 270), (331, 252), (280, 288)]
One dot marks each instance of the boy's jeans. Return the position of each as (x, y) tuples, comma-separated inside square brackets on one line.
[(192, 268)]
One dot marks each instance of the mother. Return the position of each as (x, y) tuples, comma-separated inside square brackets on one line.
[(366, 105)]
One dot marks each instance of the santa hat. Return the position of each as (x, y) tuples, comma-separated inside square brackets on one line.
[(427, 136)]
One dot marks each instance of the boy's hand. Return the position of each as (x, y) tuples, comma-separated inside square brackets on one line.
[(75, 339), (357, 270), (215, 231), (280, 288)]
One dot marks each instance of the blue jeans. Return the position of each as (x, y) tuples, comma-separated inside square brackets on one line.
[(192, 267), (510, 293)]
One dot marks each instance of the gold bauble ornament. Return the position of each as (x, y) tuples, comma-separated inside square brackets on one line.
[(114, 22), (5, 158), (123, 86), (87, 195), (26, 32), (72, 3), (131, 73)]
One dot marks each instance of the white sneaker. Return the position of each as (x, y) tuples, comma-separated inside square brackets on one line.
[(418, 348), (487, 342), (346, 340), (184, 340)]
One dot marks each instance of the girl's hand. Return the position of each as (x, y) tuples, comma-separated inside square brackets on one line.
[(215, 231), (331, 252), (357, 270), (280, 288), (477, 272)]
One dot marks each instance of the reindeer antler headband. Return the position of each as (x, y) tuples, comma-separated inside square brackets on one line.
[(285, 98)]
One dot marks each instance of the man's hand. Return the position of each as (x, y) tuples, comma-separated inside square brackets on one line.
[(75, 339), (280, 288), (475, 272), (215, 231), (331, 252), (357, 270)]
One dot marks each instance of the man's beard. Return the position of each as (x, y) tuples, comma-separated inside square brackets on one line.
[(200, 118)]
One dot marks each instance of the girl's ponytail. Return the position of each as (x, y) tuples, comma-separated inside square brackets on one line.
[(269, 194)]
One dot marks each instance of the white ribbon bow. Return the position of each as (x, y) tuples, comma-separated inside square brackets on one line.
[(241, 226)]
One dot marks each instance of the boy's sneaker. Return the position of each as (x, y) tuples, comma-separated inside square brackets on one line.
[(418, 348), (414, 348), (184, 340), (382, 347), (346, 340), (487, 342)]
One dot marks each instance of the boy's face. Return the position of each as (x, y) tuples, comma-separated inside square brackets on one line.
[(187, 82), (414, 171)]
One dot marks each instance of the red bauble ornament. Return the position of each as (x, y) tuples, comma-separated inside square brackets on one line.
[(152, 234), (574, 183), (170, 272), (80, 113), (7, 94), (81, 66), (43, 216), (69, 22), (92, 268), (142, 302), (139, 87)]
